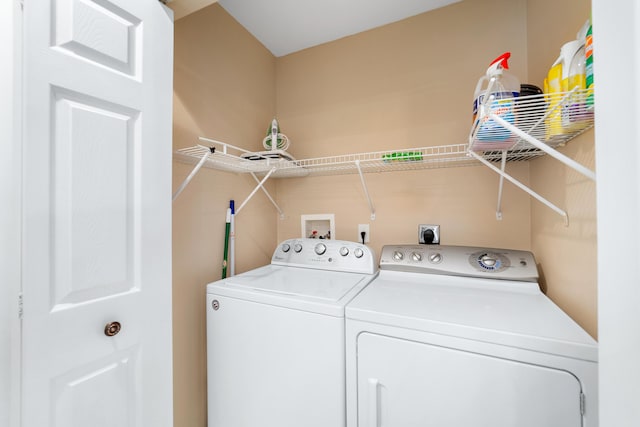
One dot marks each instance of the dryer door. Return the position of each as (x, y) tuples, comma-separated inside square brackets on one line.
[(407, 383)]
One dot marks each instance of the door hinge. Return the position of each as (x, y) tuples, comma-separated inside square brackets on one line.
[(582, 403), (20, 307)]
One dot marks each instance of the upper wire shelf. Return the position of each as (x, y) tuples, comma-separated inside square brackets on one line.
[(552, 119), (506, 130), (224, 158)]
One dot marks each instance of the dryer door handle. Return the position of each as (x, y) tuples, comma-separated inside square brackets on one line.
[(373, 398)]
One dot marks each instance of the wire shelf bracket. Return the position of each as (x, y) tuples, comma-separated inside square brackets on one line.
[(193, 173), (366, 192), (265, 192), (521, 186), (543, 117)]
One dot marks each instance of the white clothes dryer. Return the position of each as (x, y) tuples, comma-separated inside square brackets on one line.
[(275, 336), (457, 336)]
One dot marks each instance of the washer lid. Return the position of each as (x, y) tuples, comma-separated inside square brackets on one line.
[(495, 311), (319, 291)]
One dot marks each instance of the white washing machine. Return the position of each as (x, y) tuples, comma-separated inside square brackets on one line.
[(276, 336), (457, 336)]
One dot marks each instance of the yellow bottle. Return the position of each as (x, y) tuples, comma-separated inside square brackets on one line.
[(558, 81), (554, 89)]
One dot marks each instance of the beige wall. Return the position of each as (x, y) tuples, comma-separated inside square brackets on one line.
[(224, 88), (567, 255), (408, 84)]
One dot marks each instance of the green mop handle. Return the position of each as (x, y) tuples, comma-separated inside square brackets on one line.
[(227, 231)]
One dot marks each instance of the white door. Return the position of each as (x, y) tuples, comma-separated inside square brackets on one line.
[(411, 384), (97, 214)]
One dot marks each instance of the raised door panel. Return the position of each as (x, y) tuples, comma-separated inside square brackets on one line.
[(80, 398), (94, 209), (98, 31)]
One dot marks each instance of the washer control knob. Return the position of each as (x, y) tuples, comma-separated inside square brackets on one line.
[(416, 256), (344, 251), (358, 253), (286, 247), (320, 248), (398, 256), (435, 257), (297, 247)]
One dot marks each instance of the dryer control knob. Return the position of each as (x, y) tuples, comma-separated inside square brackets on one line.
[(344, 251), (416, 256), (398, 256), (435, 257), (297, 247), (358, 253), (320, 248), (286, 247), (488, 261)]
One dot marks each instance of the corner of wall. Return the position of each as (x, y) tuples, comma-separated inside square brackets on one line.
[(567, 255), (224, 88)]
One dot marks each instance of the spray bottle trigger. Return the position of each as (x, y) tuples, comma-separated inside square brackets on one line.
[(503, 60)]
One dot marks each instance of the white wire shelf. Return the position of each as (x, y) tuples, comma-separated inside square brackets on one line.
[(443, 156), (506, 130), (387, 161), (224, 159), (233, 163), (553, 119)]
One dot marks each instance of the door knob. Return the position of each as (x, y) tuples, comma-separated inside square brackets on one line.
[(112, 328)]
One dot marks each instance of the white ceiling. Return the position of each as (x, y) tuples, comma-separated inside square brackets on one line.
[(182, 8), (287, 26)]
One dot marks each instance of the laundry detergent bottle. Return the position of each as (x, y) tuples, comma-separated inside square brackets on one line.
[(567, 73), (575, 115), (588, 51), (494, 94)]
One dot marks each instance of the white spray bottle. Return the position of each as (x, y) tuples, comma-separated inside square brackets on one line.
[(494, 95)]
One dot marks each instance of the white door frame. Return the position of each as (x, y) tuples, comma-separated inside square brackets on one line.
[(10, 213), (617, 91)]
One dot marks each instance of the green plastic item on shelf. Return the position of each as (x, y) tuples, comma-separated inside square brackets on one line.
[(402, 156)]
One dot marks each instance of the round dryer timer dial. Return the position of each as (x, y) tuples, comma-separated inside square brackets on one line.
[(489, 261)]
